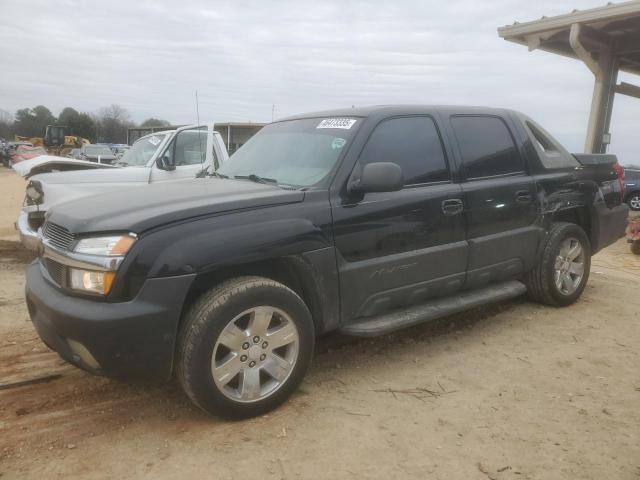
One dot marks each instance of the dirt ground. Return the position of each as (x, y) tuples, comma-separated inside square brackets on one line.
[(512, 391)]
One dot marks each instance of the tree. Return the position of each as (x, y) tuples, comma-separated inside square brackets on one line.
[(86, 127), (80, 124), (31, 122), (112, 124), (6, 130), (68, 116), (155, 122)]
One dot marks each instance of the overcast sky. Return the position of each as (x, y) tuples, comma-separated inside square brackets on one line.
[(244, 57)]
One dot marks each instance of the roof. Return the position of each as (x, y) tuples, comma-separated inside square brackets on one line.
[(616, 24), (389, 110), (240, 124)]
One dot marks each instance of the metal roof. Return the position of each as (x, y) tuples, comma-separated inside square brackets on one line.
[(615, 26)]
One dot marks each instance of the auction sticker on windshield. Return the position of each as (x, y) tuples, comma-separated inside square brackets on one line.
[(344, 123), (154, 141)]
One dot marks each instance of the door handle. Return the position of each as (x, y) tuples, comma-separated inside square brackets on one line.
[(452, 206), (523, 196)]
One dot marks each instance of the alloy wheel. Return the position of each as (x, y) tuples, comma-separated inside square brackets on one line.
[(569, 266), (255, 354)]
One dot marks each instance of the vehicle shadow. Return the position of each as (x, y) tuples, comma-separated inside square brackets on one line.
[(76, 405)]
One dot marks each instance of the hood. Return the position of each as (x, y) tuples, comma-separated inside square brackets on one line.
[(52, 163), (140, 208), (100, 174)]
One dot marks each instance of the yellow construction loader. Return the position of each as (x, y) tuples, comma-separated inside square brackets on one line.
[(55, 140)]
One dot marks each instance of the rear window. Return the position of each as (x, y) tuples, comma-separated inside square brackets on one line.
[(486, 146), (551, 153)]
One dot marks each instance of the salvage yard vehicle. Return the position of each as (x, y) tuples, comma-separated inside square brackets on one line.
[(633, 235), (25, 152), (159, 157), (363, 220), (57, 140), (74, 153), (632, 188), (96, 153), (8, 149)]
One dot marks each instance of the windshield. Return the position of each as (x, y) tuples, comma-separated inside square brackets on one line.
[(141, 151), (299, 153)]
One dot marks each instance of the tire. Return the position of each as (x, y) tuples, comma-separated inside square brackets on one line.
[(541, 281), (635, 247), (633, 200), (237, 326)]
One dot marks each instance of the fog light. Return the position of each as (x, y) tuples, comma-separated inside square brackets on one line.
[(85, 355), (91, 281)]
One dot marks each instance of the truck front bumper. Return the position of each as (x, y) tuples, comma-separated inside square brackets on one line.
[(133, 339), (28, 236)]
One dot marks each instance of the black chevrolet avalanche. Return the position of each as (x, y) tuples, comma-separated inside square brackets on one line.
[(363, 220)]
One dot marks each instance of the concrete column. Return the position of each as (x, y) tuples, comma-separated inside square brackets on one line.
[(601, 104), (605, 71)]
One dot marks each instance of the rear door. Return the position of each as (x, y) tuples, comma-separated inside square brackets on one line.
[(400, 248), (501, 206)]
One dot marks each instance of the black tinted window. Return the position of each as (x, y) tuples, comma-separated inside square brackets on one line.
[(486, 146), (412, 143)]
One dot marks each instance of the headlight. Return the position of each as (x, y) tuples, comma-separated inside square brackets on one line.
[(112, 246), (91, 281), (98, 281), (34, 193)]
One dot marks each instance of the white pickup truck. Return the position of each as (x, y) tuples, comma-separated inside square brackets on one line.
[(157, 157)]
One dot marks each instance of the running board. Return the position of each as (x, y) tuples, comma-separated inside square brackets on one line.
[(408, 317)]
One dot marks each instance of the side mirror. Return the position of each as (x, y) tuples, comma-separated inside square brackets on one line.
[(378, 177), (165, 163)]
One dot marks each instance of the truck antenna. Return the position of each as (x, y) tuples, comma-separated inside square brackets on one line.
[(202, 157)]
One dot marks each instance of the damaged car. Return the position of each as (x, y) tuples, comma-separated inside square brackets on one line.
[(362, 221), (158, 157)]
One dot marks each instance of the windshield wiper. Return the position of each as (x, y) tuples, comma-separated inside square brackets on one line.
[(258, 179), (218, 175)]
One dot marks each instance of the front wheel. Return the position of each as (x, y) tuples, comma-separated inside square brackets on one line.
[(563, 267), (244, 347)]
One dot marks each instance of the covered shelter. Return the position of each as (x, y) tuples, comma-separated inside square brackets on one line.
[(606, 39)]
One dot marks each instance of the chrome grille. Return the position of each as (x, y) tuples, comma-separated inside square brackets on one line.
[(58, 236), (56, 271)]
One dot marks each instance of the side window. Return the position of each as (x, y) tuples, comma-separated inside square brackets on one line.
[(190, 147), (551, 154), (543, 142), (414, 144), (486, 145)]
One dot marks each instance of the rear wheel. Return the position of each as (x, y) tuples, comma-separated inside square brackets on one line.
[(563, 268), (635, 247), (244, 347)]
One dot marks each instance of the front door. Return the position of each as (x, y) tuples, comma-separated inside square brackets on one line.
[(400, 248), (187, 152)]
